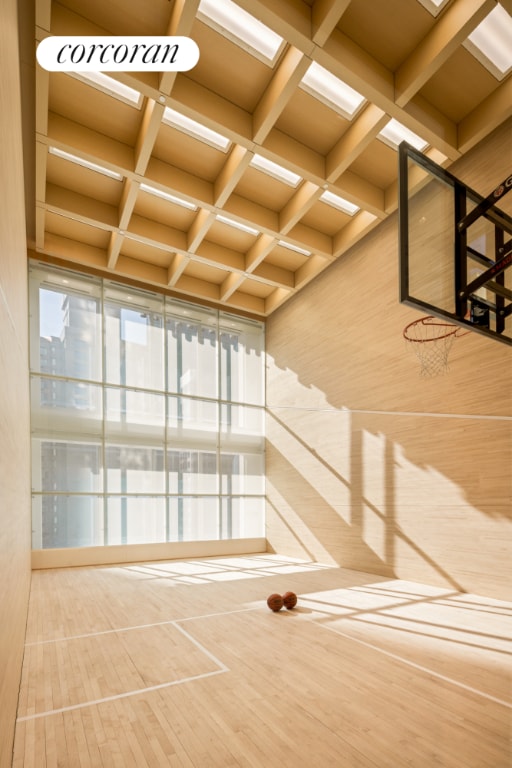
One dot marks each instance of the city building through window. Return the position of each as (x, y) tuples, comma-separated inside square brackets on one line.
[(147, 416)]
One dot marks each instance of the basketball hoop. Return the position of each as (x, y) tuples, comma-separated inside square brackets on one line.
[(431, 340)]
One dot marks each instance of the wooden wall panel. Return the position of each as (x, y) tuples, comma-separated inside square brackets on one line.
[(132, 553), (368, 464), (14, 402)]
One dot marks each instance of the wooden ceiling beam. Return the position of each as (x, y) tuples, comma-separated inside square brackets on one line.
[(239, 300), (348, 61), (179, 182), (218, 256), (258, 251), (232, 282), (453, 27), (355, 140), (181, 21), (114, 249), (182, 18), (42, 82), (148, 131), (285, 80), (159, 235), (65, 21), (310, 269), (127, 203), (40, 171), (428, 122), (279, 145), (273, 275), (305, 196), (41, 99), (256, 215), (141, 271), (313, 168), (325, 15), (74, 251), (358, 226), (361, 192), (176, 268), (308, 163), (276, 298), (231, 173), (81, 208), (311, 240), (194, 286), (200, 226), (92, 145), (205, 106), (40, 226), (489, 114), (289, 18), (43, 14), (376, 83)]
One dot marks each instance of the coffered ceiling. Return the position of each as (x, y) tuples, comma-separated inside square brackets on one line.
[(184, 216)]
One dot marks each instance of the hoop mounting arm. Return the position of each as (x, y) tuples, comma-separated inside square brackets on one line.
[(482, 208)]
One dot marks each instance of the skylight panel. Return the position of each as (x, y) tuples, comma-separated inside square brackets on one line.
[(167, 196), (329, 89), (84, 163), (110, 86), (339, 202), (195, 129), (236, 224), (394, 133), (275, 170), (491, 42), (241, 28), (434, 6), (292, 247)]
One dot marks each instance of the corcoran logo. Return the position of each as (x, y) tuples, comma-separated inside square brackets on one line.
[(121, 54), (503, 187)]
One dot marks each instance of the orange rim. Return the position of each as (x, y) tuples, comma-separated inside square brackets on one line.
[(426, 321)]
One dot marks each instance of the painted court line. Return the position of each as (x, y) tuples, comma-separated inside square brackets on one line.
[(222, 668), (118, 696), (419, 667), (67, 638), (220, 664)]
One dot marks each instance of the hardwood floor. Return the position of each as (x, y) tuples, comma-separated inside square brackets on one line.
[(182, 664)]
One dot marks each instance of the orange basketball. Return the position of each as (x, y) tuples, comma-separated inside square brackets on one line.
[(275, 602), (289, 600)]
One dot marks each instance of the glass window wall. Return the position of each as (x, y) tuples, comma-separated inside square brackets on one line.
[(147, 416)]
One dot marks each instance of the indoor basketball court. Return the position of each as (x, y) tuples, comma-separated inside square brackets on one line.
[(182, 663), (256, 402)]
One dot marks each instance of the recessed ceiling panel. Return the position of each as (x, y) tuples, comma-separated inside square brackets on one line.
[(311, 122), (234, 218), (389, 31), (93, 109)]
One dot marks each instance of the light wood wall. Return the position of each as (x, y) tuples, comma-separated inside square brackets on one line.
[(132, 553), (14, 401), (369, 465)]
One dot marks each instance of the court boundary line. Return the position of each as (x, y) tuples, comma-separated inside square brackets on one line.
[(67, 638), (414, 665), (116, 697), (222, 668)]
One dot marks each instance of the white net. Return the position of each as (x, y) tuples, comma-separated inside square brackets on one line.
[(431, 341)]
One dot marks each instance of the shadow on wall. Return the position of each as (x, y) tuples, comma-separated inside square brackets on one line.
[(368, 464), (345, 514)]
